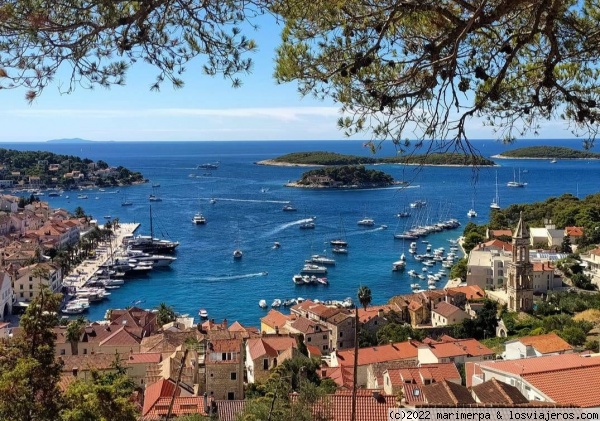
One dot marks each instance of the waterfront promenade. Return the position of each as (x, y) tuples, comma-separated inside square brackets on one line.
[(83, 272)]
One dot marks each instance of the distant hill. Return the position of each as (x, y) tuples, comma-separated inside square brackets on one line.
[(548, 152), (72, 140)]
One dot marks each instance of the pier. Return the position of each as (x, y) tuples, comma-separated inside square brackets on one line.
[(82, 273)]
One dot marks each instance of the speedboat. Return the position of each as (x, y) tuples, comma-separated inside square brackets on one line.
[(154, 198), (276, 245), (323, 281), (340, 250), (307, 225), (213, 201), (418, 204), (203, 314), (289, 208), (366, 222), (262, 304), (412, 273), (276, 303), (415, 286), (82, 196), (199, 219), (208, 166), (321, 260), (298, 279)]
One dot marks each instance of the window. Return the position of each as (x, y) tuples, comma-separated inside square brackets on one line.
[(230, 396), (21, 295), (324, 337), (324, 347), (30, 286), (308, 339), (31, 295), (341, 334), (84, 351), (233, 375), (266, 364), (21, 286), (62, 352)]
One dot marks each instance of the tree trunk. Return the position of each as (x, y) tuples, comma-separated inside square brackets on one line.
[(355, 377)]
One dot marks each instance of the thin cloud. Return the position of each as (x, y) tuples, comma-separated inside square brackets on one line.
[(281, 114)]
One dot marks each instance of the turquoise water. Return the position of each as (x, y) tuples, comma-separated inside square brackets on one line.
[(249, 212)]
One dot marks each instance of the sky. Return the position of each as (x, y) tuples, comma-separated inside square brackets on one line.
[(207, 108)]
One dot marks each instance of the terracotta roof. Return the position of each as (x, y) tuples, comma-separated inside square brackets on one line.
[(182, 405), (546, 344), (497, 233), (473, 292), (229, 410), (458, 347), (370, 405), (446, 310), (378, 354), (155, 391), (542, 266), (435, 372), (447, 393), (573, 386), (144, 358), (415, 305), (498, 244), (120, 337), (88, 362), (574, 231), (538, 365), (307, 326), (371, 312), (342, 376), (275, 319), (270, 345), (313, 351), (497, 392)]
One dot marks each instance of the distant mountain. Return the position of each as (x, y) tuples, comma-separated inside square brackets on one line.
[(72, 140)]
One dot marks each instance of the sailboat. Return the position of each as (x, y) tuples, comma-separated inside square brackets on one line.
[(237, 253), (340, 241), (149, 244), (495, 202), (199, 219), (472, 213), (126, 202), (153, 197), (516, 183)]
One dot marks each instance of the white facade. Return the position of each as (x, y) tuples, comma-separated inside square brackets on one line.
[(526, 389), (591, 260), (486, 269), (6, 295)]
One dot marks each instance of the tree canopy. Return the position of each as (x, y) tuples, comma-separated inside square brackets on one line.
[(422, 68)]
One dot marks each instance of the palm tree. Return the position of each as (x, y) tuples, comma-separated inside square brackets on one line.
[(74, 332), (364, 296), (166, 314)]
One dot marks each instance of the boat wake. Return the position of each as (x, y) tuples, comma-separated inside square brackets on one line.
[(285, 226), (233, 277), (220, 199)]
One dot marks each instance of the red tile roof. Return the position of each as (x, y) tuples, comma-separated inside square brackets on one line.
[(275, 319), (459, 347), (270, 345), (539, 364), (447, 393), (498, 233), (435, 372), (546, 344), (573, 386), (144, 358), (446, 310), (229, 410), (378, 354), (542, 266), (371, 312), (497, 392), (182, 405), (574, 231), (313, 351), (502, 245), (370, 406), (155, 391), (473, 292)]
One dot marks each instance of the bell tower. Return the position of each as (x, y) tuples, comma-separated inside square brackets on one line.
[(520, 271)]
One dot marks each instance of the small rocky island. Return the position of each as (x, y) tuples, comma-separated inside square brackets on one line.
[(547, 152), (345, 177), (321, 158)]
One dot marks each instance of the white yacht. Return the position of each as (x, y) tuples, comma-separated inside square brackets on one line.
[(366, 222), (262, 304), (157, 260), (311, 269), (199, 219), (203, 314), (319, 259), (398, 265), (471, 213)]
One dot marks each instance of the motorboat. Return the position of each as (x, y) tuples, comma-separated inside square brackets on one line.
[(203, 314), (431, 287), (237, 254), (338, 243), (289, 208), (415, 286), (298, 279), (307, 225), (323, 281), (412, 273), (82, 196), (199, 219), (112, 282), (398, 265), (403, 214), (213, 201), (312, 269), (208, 166), (340, 250), (264, 190), (154, 198), (156, 185), (366, 222), (127, 203), (276, 303), (262, 304), (321, 260), (417, 204), (383, 227), (156, 260), (276, 245)]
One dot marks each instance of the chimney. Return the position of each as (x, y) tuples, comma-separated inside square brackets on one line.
[(75, 370), (380, 312), (224, 323), (277, 330)]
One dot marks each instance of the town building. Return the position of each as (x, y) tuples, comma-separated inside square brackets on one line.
[(267, 352), (520, 271), (535, 346), (28, 281), (450, 350)]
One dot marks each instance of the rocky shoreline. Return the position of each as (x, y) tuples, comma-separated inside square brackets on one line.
[(352, 187), (274, 163)]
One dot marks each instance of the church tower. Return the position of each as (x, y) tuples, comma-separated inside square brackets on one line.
[(520, 271)]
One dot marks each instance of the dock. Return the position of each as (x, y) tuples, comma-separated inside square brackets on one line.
[(82, 273)]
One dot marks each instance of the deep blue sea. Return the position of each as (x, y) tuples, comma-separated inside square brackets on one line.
[(249, 212)]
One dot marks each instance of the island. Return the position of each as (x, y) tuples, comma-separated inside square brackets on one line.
[(345, 177), (547, 152), (39, 170), (320, 158)]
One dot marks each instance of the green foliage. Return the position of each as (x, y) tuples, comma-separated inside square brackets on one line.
[(583, 281), (471, 240), (419, 71), (573, 335), (459, 269), (105, 397), (549, 152), (484, 325), (166, 314), (592, 345), (398, 332), (349, 176), (28, 372), (331, 158)]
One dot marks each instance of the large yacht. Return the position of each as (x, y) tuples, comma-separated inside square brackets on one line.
[(199, 219)]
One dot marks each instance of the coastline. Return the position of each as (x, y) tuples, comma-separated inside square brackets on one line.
[(318, 187), (289, 164), (543, 159), (274, 163)]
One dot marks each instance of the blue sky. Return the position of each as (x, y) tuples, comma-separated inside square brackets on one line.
[(205, 109)]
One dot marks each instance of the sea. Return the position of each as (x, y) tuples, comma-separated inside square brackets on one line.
[(247, 213)]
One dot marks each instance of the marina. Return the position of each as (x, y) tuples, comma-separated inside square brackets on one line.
[(205, 274)]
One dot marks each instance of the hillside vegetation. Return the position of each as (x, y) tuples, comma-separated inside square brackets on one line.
[(345, 176), (331, 158), (549, 152)]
